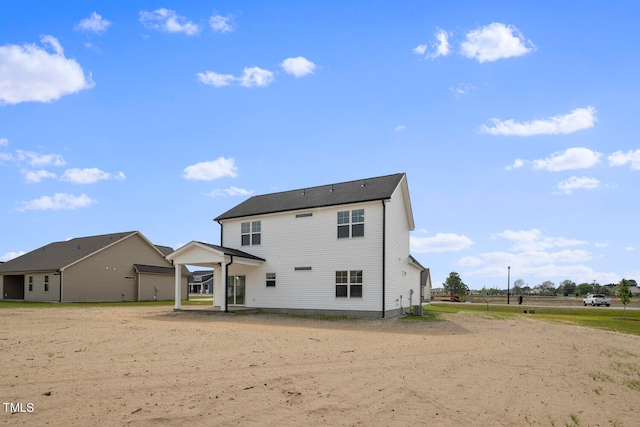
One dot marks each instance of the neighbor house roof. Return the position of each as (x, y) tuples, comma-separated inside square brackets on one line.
[(362, 190), (154, 269), (58, 255)]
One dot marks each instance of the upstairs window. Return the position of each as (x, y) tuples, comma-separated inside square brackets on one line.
[(351, 223), (250, 233)]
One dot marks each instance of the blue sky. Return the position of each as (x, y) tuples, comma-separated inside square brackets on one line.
[(517, 126)]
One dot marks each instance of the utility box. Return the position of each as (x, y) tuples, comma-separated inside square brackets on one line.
[(417, 310)]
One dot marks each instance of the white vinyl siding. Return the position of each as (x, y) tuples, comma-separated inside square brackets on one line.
[(289, 242), (401, 275)]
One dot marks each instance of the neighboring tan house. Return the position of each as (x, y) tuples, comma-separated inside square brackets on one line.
[(110, 267), (335, 249)]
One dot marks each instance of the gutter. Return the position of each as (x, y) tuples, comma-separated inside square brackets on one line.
[(59, 273), (221, 233), (384, 255)]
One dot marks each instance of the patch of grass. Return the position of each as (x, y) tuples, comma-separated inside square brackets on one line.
[(574, 419), (633, 384), (427, 316), (599, 376), (39, 304), (598, 390), (610, 320), (614, 352)]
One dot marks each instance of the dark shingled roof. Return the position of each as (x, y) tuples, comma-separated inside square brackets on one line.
[(362, 190), (231, 251), (141, 268), (60, 254)]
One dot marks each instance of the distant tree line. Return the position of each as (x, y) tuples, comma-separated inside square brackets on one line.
[(565, 288)]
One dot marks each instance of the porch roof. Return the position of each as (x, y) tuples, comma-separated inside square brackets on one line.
[(200, 253)]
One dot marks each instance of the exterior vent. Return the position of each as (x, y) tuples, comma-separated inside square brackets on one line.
[(302, 268)]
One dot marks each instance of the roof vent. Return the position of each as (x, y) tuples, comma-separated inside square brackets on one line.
[(304, 191), (331, 191), (364, 184), (78, 246)]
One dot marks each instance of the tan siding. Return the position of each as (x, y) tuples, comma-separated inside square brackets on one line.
[(38, 293), (165, 284), (101, 277)]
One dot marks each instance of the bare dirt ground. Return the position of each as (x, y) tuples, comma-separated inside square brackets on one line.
[(149, 366)]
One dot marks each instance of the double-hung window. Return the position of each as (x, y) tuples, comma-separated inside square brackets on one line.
[(46, 283), (250, 233), (349, 284), (271, 279), (30, 283), (351, 223)]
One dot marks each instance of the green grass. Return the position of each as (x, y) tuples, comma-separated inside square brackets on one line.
[(607, 319), (37, 304)]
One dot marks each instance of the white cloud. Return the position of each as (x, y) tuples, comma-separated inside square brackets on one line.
[(58, 201), (619, 158), (441, 242), (33, 159), (442, 45), (575, 183), (420, 49), (400, 127), (37, 176), (578, 119), (4, 142), (11, 255), (220, 24), (208, 171), (572, 158), (518, 163), (231, 191), (89, 175), (30, 73), (215, 79), (298, 66), (629, 248), (255, 76), (94, 23), (540, 264), (495, 41), (534, 240), (462, 88), (168, 21)]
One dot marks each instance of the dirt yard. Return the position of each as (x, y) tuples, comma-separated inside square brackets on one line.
[(149, 366)]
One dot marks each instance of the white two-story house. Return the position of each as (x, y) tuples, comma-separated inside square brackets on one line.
[(338, 249)]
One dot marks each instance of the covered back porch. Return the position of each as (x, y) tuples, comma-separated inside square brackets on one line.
[(218, 258)]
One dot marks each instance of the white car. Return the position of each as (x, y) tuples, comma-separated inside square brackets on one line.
[(596, 299)]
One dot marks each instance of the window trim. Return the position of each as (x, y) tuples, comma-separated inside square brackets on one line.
[(253, 234), (270, 281), (349, 281), (350, 221)]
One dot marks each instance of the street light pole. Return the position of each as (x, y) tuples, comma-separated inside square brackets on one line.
[(508, 282)]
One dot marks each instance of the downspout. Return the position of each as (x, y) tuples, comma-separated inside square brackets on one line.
[(60, 274), (221, 235), (224, 287), (384, 255)]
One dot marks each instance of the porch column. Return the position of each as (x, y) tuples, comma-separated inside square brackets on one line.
[(223, 284), (178, 269)]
